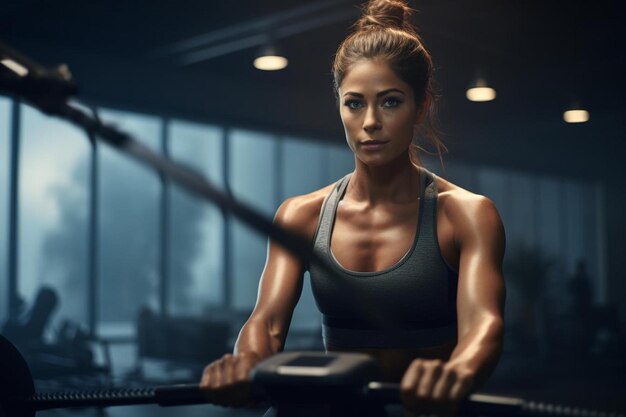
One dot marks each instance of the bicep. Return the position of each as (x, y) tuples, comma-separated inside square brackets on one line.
[(281, 281), (481, 289)]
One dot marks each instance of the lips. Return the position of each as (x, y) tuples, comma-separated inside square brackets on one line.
[(373, 145)]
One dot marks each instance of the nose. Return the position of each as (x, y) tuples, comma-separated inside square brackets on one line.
[(371, 121)]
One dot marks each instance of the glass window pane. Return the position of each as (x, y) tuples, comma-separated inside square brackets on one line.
[(53, 210), (463, 175), (253, 159), (548, 213), (5, 148), (340, 162), (574, 223), (522, 201), (302, 167), (145, 128), (303, 173), (129, 228), (494, 184), (196, 226)]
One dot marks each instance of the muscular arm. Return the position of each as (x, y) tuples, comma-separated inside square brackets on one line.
[(434, 386), (479, 235), (281, 282), (227, 380)]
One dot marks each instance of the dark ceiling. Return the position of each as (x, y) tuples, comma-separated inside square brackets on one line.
[(539, 55)]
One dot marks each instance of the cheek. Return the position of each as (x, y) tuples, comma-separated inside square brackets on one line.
[(349, 129), (405, 126)]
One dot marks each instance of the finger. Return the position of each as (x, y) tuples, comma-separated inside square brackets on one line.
[(410, 382), (228, 369), (217, 384), (460, 389), (441, 390), (206, 375), (215, 380), (208, 379), (244, 368), (432, 372), (242, 385)]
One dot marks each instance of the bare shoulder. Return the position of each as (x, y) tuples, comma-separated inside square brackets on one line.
[(467, 211), (301, 213)]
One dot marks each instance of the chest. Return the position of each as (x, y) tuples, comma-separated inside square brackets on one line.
[(365, 239)]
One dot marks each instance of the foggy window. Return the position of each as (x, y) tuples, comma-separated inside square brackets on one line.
[(304, 171), (130, 194), (559, 219), (551, 224), (196, 226), (53, 207), (253, 161), (340, 162)]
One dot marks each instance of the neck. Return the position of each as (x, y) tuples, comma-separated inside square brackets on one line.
[(396, 182)]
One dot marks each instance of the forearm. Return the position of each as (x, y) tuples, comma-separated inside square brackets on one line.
[(258, 337), (478, 350)]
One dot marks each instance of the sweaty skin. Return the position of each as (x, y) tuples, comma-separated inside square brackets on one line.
[(374, 227)]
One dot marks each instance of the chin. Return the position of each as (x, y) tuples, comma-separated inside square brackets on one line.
[(375, 160)]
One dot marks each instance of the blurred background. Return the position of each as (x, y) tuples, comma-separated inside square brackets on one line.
[(112, 276)]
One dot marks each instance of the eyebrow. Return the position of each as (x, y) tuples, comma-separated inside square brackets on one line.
[(380, 94)]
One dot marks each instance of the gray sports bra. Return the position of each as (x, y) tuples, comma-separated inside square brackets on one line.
[(410, 304)]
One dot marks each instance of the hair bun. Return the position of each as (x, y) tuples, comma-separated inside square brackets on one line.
[(395, 14)]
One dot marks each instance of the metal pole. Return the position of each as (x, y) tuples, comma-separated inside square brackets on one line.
[(13, 255), (93, 237), (164, 238), (227, 279)]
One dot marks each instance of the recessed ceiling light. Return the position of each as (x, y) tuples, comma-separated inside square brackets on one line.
[(269, 58), (480, 91)]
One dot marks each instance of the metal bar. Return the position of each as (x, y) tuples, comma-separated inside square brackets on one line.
[(259, 39), (279, 192), (13, 244), (93, 237), (227, 286), (238, 30), (164, 238), (222, 49)]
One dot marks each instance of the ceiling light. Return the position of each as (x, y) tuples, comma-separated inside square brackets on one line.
[(270, 59), (17, 68), (480, 91), (576, 114)]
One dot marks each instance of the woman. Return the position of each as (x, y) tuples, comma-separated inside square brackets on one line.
[(418, 280)]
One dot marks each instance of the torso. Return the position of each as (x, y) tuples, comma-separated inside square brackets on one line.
[(373, 239)]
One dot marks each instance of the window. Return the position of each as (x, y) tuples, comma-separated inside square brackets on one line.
[(303, 172), (557, 219), (340, 162), (253, 158), (53, 210), (128, 225), (196, 226), (560, 218)]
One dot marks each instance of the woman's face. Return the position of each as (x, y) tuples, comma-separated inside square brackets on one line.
[(378, 112)]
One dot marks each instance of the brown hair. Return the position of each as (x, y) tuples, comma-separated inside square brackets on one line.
[(385, 32)]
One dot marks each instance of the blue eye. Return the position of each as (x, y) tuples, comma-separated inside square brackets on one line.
[(353, 104), (391, 102)]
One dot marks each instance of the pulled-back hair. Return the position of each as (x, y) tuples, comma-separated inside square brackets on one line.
[(385, 32)]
